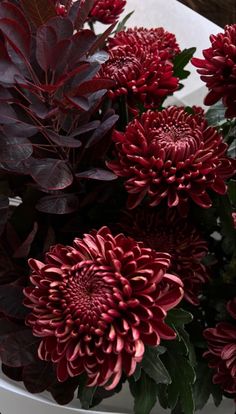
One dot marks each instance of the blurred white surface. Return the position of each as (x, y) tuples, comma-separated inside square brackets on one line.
[(191, 30)]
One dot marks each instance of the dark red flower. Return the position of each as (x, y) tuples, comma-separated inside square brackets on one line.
[(170, 233), (234, 219), (152, 39), (222, 351), (97, 304), (142, 76), (171, 155), (107, 11), (218, 69)]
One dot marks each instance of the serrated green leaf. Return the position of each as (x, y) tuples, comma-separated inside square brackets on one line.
[(179, 317), (137, 372), (182, 375), (121, 25), (216, 114), (181, 60), (202, 386), (144, 392), (162, 395), (154, 367), (85, 394)]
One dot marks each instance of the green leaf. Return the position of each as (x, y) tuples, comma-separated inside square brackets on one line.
[(121, 25), (85, 394), (216, 114), (178, 317), (227, 225), (181, 60), (204, 387), (137, 373), (144, 392), (182, 375), (153, 366)]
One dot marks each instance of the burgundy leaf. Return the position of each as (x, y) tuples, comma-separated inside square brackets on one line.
[(5, 95), (7, 114), (18, 346), (85, 128), (97, 174), (102, 130), (20, 129), (24, 249), (100, 42), (38, 377), (93, 85), (46, 40), (38, 107), (79, 102), (62, 140), (8, 70), (14, 149), (62, 26), (63, 393), (14, 374), (87, 72), (8, 271), (81, 44), (4, 204), (39, 11), (59, 56), (82, 12), (11, 301), (58, 204), (10, 11), (50, 173), (18, 38)]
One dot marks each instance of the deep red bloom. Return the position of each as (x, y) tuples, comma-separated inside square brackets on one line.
[(97, 304), (143, 77), (171, 155), (218, 69), (153, 40), (234, 219), (107, 11), (170, 233), (222, 351)]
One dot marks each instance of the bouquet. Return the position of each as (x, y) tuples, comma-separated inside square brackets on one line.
[(117, 259)]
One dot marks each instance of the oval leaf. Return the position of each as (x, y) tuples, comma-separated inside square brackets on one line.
[(58, 204), (50, 173)]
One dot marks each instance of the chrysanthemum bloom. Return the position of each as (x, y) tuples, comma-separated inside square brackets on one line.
[(107, 11), (171, 155), (97, 304), (222, 351), (218, 69), (152, 39), (143, 77), (170, 233)]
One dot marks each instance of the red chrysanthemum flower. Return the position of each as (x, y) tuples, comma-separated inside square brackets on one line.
[(218, 69), (222, 351), (97, 304), (143, 77), (170, 233), (107, 11), (152, 39), (171, 155)]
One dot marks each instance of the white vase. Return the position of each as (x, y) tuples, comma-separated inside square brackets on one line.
[(14, 399)]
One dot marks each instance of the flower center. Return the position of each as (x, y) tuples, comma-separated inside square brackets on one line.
[(87, 294), (178, 141)]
